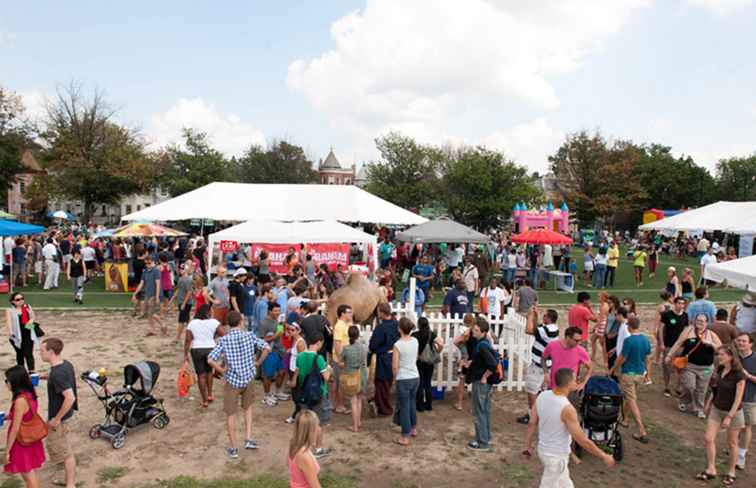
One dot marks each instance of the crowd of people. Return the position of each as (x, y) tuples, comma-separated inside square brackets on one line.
[(248, 323)]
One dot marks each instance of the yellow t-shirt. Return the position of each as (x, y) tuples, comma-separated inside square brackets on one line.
[(341, 333), (640, 258), (612, 255)]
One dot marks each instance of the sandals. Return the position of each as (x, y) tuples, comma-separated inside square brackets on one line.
[(704, 476), (728, 480), (641, 438)]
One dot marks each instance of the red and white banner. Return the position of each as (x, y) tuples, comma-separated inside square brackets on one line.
[(330, 254), (229, 246)]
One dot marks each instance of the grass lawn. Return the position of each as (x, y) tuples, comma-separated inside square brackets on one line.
[(95, 296)]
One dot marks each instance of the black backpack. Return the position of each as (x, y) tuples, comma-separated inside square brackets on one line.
[(312, 392)]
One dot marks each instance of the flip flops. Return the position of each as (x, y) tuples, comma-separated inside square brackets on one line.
[(641, 438), (704, 476)]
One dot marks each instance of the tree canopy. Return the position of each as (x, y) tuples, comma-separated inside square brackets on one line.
[(737, 178), (15, 136), (192, 165), (280, 162)]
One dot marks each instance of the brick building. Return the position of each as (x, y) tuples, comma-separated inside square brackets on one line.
[(331, 172), (17, 203)]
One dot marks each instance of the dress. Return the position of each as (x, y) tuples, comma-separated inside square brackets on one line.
[(24, 458)]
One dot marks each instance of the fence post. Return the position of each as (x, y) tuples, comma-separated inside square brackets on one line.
[(411, 301)]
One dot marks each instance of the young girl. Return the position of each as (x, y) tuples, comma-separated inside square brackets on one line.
[(297, 345), (599, 332), (687, 284), (303, 466), (354, 374), (22, 459)]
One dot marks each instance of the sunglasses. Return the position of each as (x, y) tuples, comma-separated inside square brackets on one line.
[(18, 299)]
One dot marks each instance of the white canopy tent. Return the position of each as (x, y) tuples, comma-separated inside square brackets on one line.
[(739, 273), (242, 201), (272, 232), (733, 217)]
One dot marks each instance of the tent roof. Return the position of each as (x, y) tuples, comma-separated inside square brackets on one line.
[(441, 230), (269, 232), (740, 273), (244, 201), (8, 228), (736, 217)]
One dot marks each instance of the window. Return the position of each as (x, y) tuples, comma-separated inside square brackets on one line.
[(146, 205), (22, 187), (128, 209), (23, 209), (104, 211), (139, 207)]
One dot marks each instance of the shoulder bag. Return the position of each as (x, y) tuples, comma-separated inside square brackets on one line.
[(429, 354), (682, 361), (32, 430)]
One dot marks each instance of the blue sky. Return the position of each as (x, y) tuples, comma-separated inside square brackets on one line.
[(516, 76)]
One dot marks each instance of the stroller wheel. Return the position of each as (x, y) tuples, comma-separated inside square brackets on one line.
[(94, 432), (619, 450), (161, 421), (118, 441)]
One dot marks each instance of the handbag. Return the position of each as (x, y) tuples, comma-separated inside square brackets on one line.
[(38, 331), (350, 380), (429, 354), (32, 430), (682, 361)]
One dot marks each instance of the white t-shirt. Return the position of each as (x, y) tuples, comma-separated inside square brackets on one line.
[(8, 244), (495, 297), (624, 333), (408, 351), (49, 251), (203, 333), (553, 437), (548, 259), (512, 261), (88, 253), (708, 259), (703, 245)]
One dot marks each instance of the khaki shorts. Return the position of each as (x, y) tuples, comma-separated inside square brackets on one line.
[(58, 444), (556, 471), (629, 384), (717, 415), (749, 413), (151, 307), (533, 379), (232, 395)]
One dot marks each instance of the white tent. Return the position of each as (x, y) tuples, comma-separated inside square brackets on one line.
[(272, 232), (739, 273), (242, 201), (734, 217)]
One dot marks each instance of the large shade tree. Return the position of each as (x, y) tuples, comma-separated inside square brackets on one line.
[(736, 178), (280, 162), (15, 136), (193, 164)]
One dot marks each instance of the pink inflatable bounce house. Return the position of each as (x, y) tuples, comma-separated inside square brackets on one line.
[(557, 220)]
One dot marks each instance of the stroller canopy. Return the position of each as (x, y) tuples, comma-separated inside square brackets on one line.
[(602, 385), (145, 371)]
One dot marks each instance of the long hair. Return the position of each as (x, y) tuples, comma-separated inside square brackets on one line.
[(203, 313), (735, 365), (20, 381), (423, 326), (305, 432)]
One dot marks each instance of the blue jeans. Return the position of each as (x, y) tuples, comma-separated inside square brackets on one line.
[(405, 413), (511, 274), (481, 409), (471, 301), (251, 325), (598, 276)]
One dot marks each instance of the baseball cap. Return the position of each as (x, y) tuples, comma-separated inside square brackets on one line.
[(240, 272)]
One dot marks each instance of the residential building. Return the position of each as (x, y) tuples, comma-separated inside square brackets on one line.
[(330, 171)]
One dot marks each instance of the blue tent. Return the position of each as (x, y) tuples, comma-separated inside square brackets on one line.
[(9, 228)]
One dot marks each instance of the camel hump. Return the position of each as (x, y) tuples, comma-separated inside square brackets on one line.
[(356, 279)]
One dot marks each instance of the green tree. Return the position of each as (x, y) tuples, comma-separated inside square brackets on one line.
[(407, 173), (89, 156), (281, 162), (480, 187), (671, 182), (194, 165), (736, 178), (14, 138)]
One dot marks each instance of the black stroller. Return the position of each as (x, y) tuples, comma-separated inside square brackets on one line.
[(127, 408), (600, 411)]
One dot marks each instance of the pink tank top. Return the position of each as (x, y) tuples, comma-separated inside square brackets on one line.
[(296, 477)]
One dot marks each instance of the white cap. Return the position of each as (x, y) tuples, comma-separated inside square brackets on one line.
[(240, 272)]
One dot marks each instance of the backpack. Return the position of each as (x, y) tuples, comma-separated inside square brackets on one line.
[(311, 391), (498, 375)]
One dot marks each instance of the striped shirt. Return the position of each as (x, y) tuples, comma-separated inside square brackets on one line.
[(544, 334)]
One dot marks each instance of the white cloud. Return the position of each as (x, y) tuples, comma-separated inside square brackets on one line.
[(660, 124), (417, 65), (227, 132), (34, 103), (530, 143), (722, 7), (709, 157)]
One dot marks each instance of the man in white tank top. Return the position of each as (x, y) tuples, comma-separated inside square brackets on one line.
[(558, 424)]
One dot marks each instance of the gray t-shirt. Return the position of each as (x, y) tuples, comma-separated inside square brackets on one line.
[(268, 325), (528, 298), (407, 359), (151, 279), (749, 364), (219, 288), (184, 288)]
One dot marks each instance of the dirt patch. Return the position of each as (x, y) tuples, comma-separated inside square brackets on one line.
[(193, 444)]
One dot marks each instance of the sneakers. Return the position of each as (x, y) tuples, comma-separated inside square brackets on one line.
[(701, 415), (250, 444), (269, 401), (232, 452), (477, 446), (283, 396), (667, 393), (525, 419), (321, 452), (290, 420)]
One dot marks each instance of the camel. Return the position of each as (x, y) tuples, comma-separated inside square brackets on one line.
[(360, 294)]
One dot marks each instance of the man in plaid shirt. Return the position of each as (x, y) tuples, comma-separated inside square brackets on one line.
[(238, 349)]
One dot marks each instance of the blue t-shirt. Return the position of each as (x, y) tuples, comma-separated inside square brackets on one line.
[(282, 297), (261, 311), (249, 302), (419, 299), (457, 302), (423, 270), (702, 307), (151, 279), (635, 349)]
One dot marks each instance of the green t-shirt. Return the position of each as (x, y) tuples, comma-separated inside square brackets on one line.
[(304, 366)]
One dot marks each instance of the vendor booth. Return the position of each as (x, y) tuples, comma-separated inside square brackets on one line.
[(442, 230), (12, 229), (327, 241), (738, 273)]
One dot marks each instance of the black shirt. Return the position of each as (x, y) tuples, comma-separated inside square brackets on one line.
[(725, 388), (703, 355), (236, 290), (61, 378), (77, 268), (483, 360), (673, 326), (312, 324), (65, 246)]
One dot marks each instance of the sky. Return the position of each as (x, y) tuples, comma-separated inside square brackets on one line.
[(513, 76)]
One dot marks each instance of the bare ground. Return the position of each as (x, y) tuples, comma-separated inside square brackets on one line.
[(193, 442)]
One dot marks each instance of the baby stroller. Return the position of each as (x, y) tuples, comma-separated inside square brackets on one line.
[(129, 407), (600, 410)]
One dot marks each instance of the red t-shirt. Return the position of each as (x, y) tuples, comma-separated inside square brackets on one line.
[(561, 357), (579, 316)]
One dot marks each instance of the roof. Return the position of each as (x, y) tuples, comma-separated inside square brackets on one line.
[(362, 174), (740, 273), (330, 162), (283, 202), (735, 217), (30, 163), (441, 230), (327, 231)]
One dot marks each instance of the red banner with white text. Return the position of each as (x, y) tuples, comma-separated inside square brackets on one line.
[(330, 254)]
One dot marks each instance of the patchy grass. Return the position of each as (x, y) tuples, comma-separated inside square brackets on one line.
[(14, 482), (111, 473), (263, 481)]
